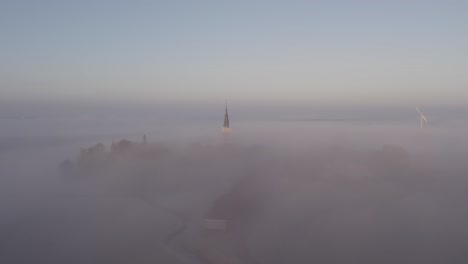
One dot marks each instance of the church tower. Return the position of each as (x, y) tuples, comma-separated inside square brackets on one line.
[(226, 129)]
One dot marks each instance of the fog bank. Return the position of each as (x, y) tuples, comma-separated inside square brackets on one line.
[(294, 190)]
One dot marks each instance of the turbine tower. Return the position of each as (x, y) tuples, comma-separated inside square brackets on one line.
[(422, 118), (226, 128)]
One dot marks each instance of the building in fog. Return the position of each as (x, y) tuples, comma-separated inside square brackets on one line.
[(215, 224), (226, 128)]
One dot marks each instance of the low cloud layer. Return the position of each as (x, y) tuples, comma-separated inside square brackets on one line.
[(294, 192)]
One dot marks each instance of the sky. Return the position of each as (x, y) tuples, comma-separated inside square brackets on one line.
[(366, 52)]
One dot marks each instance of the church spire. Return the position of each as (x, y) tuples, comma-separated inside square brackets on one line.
[(226, 118), (226, 127)]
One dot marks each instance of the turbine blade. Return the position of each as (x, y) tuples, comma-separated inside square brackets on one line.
[(417, 109), (423, 117)]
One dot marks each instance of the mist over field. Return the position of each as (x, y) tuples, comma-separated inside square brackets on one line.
[(296, 185), (343, 137)]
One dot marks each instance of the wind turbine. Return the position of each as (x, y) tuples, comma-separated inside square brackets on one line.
[(421, 117)]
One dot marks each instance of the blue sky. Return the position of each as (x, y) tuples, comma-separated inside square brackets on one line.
[(388, 52)]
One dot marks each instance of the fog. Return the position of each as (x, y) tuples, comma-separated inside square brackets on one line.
[(295, 184)]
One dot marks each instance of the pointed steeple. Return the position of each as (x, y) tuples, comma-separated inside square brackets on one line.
[(226, 118), (226, 128)]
